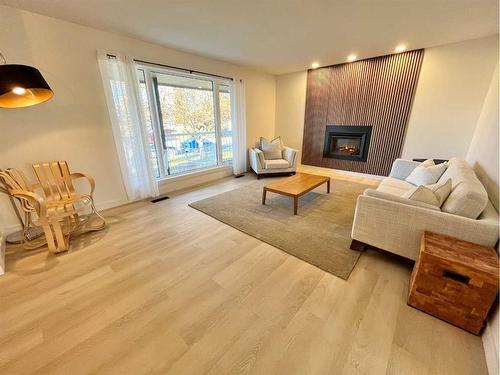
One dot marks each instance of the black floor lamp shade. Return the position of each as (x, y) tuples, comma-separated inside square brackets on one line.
[(22, 86)]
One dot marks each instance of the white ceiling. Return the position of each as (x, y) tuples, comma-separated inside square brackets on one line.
[(280, 36)]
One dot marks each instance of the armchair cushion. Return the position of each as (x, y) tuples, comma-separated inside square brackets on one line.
[(271, 149), (276, 164)]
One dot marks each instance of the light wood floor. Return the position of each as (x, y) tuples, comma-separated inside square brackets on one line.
[(167, 289)]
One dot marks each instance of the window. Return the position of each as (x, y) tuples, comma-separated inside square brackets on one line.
[(188, 119)]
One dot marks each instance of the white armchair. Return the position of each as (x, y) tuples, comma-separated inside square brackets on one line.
[(286, 165)]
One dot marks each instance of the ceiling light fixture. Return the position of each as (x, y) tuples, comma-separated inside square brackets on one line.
[(315, 65), (352, 58), (400, 48)]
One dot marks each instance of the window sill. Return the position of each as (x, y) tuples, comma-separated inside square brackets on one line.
[(200, 172)]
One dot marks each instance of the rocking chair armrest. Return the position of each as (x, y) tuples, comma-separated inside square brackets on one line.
[(35, 200), (89, 179)]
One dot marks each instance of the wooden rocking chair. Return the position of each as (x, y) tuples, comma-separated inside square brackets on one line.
[(14, 184), (62, 210)]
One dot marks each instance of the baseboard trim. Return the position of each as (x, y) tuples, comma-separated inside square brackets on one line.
[(12, 228), (110, 204), (490, 344)]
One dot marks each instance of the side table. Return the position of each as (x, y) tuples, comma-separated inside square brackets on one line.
[(454, 280)]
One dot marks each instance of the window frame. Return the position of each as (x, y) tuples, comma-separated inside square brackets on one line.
[(150, 75)]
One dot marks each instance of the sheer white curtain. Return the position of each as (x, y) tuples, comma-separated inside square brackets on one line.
[(239, 128), (128, 123)]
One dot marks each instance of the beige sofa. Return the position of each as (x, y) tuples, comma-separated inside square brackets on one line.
[(385, 220)]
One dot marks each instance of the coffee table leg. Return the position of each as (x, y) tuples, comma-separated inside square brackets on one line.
[(264, 191), (328, 186), (295, 205)]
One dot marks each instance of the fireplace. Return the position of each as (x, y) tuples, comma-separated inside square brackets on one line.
[(347, 142)]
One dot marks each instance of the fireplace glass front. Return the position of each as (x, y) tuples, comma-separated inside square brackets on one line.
[(345, 145), (347, 142)]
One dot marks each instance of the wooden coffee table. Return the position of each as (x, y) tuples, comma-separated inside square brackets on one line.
[(296, 186)]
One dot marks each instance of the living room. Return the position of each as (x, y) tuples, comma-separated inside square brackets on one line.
[(195, 187)]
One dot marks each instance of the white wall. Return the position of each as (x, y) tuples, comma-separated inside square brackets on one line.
[(290, 108), (452, 86), (451, 89), (483, 155), (74, 125), (483, 152)]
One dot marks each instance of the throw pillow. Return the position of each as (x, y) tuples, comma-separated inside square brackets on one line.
[(423, 175), (422, 194), (442, 190), (271, 149), (427, 163)]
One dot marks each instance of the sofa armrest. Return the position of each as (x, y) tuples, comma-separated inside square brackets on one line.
[(397, 227), (394, 198), (402, 168), (256, 159), (290, 155)]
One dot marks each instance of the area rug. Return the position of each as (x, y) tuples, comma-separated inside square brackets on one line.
[(320, 234)]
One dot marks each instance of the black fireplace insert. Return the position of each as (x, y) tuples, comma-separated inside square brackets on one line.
[(347, 142)]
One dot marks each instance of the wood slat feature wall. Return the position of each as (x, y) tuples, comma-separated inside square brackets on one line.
[(376, 92)]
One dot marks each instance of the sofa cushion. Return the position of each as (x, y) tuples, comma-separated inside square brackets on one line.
[(442, 190), (402, 168), (271, 149), (422, 194), (468, 197), (394, 186), (394, 198), (276, 164), (427, 163), (426, 174)]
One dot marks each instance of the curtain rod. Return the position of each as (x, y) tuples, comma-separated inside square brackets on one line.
[(190, 71)]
